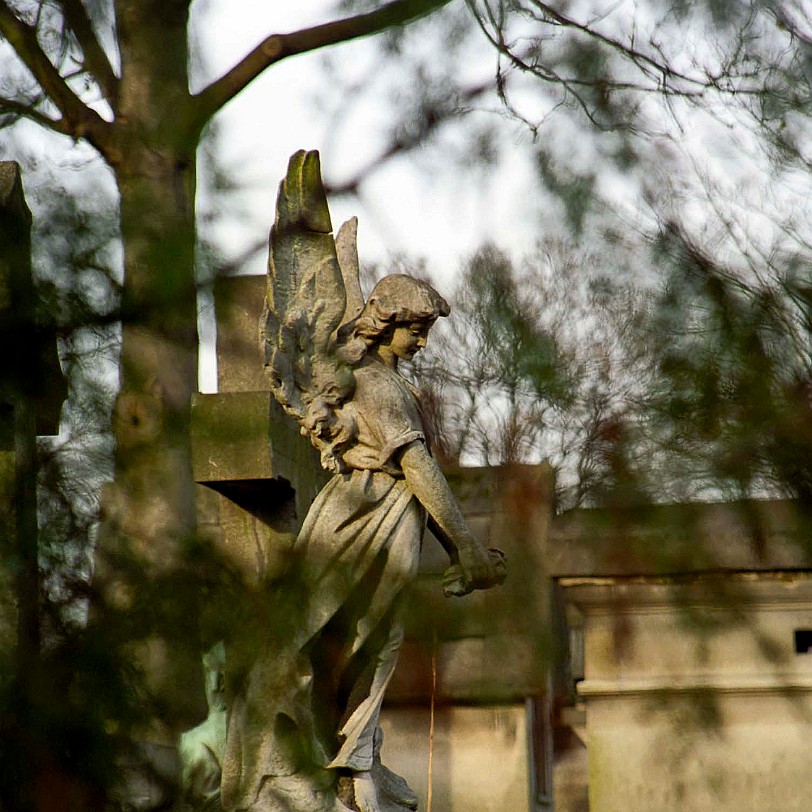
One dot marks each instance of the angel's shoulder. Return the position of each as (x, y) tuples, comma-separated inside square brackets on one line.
[(376, 375), (377, 386)]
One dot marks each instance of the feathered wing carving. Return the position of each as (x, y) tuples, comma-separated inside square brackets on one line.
[(347, 249), (312, 289)]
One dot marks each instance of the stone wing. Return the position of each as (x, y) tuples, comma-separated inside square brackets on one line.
[(305, 303)]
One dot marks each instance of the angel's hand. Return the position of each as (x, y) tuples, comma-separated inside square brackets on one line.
[(477, 568)]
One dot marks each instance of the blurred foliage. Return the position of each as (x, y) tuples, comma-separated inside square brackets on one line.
[(734, 389), (695, 386), (537, 362), (655, 347), (669, 142), (75, 701)]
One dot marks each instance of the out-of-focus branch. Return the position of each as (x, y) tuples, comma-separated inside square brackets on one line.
[(407, 142), (95, 58), (664, 78), (646, 63), (17, 109), (78, 120), (792, 21), (279, 46)]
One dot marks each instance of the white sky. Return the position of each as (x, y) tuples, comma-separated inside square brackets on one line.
[(439, 217)]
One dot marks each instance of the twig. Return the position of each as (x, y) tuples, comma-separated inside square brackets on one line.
[(431, 718)]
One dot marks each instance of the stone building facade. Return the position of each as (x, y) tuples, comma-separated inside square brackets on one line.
[(691, 628)]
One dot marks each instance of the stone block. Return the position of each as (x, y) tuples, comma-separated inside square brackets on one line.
[(230, 437), (238, 304), (245, 437), (698, 691), (480, 756), (686, 538), (646, 755), (493, 644)]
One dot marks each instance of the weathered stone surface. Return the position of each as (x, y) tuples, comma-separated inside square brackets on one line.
[(31, 368), (494, 644), (734, 632), (666, 761), (479, 756), (230, 437), (242, 437), (669, 539), (238, 302), (264, 475), (698, 684), (697, 717), (496, 668)]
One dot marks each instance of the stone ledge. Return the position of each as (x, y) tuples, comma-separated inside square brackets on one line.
[(767, 590), (740, 684), (673, 539)]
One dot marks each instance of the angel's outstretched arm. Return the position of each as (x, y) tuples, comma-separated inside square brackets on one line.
[(427, 483)]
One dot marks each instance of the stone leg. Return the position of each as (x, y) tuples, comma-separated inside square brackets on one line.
[(361, 750)]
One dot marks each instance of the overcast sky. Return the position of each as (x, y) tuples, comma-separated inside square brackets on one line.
[(441, 216), (437, 216)]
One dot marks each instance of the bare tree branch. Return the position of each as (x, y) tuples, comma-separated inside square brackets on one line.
[(409, 141), (666, 80), (792, 21), (19, 109), (642, 60), (95, 58), (279, 46), (80, 121)]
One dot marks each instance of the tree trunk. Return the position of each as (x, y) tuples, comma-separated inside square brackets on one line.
[(159, 344), (148, 529)]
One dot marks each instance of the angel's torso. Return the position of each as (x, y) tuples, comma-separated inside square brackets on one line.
[(387, 414)]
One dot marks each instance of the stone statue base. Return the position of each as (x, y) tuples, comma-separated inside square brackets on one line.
[(394, 794), (318, 792)]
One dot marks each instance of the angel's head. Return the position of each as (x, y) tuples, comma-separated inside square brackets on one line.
[(398, 314)]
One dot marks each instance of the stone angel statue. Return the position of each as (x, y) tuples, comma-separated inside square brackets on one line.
[(303, 734)]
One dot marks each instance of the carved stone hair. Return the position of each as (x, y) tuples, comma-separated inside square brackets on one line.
[(396, 299)]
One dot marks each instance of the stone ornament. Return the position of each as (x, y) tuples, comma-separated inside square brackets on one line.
[(303, 731), (201, 748)]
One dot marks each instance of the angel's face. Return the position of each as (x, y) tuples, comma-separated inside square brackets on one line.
[(408, 339)]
